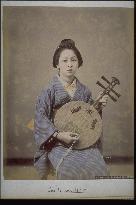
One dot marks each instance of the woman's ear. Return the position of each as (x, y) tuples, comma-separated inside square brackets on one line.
[(58, 69)]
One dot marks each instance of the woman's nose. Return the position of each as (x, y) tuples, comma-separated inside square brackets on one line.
[(69, 64)]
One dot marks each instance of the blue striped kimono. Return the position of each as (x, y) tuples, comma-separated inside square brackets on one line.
[(78, 164)]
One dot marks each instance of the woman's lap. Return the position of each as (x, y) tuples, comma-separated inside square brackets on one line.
[(78, 165)]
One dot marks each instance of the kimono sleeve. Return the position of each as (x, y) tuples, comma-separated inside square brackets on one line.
[(43, 125)]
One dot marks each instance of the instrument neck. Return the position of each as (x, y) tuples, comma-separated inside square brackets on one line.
[(105, 92), (97, 102)]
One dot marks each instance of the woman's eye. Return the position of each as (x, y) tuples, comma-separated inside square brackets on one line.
[(73, 60)]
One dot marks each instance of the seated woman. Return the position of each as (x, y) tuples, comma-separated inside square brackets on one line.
[(51, 143)]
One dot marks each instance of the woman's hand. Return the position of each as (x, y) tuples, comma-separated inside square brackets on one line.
[(68, 137), (103, 100)]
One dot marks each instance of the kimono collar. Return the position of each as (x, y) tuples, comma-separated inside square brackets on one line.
[(67, 85), (58, 85)]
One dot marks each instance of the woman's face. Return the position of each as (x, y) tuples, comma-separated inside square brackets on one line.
[(68, 63)]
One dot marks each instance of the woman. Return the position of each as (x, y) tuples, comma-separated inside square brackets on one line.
[(51, 144)]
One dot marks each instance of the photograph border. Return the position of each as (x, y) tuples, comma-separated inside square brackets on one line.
[(62, 189)]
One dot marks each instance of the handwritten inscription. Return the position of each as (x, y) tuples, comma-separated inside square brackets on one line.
[(67, 190)]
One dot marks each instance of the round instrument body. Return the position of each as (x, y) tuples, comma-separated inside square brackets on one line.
[(82, 118)]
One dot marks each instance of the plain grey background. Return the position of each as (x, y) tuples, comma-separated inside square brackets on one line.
[(104, 37)]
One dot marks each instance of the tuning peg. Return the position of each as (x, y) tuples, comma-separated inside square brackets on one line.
[(114, 79), (98, 83), (112, 97), (117, 94), (105, 79)]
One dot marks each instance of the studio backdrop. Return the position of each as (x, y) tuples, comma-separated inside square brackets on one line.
[(104, 37)]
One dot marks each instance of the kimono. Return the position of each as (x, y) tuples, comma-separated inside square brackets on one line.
[(78, 164)]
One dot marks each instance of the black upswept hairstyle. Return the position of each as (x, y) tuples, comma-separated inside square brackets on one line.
[(66, 44)]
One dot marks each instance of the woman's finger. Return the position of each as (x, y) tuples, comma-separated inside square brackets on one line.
[(75, 138), (104, 99), (74, 134)]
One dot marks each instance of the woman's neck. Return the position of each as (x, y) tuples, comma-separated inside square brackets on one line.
[(68, 80)]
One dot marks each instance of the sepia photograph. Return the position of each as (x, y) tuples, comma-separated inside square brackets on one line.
[(67, 99)]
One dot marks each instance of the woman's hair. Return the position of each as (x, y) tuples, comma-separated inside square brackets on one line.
[(66, 44)]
